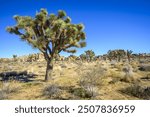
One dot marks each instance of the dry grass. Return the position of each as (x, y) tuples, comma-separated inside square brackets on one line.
[(118, 66), (137, 90), (51, 91), (8, 88), (91, 80), (73, 80)]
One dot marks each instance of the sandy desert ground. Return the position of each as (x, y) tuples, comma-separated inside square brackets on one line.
[(73, 80)]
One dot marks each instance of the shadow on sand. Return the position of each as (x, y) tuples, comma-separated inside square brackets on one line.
[(23, 76)]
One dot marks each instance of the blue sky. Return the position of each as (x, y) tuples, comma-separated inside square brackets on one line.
[(109, 24)]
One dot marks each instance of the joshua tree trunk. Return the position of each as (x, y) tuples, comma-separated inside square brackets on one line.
[(119, 58), (139, 58), (49, 70), (110, 59), (129, 59)]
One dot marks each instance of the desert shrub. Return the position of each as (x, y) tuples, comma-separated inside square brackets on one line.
[(3, 95), (113, 62), (91, 78), (8, 88), (142, 61), (1, 60), (128, 77), (138, 91), (117, 65), (51, 90), (125, 75), (30, 84), (134, 65), (145, 67), (148, 75), (115, 74), (83, 93), (11, 87)]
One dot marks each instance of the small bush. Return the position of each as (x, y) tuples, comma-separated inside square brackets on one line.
[(91, 78), (128, 77), (145, 68), (3, 95), (8, 88), (51, 91), (83, 93), (115, 74), (138, 91), (134, 65), (118, 66)]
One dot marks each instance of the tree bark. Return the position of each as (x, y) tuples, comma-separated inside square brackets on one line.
[(119, 58), (129, 59), (49, 70)]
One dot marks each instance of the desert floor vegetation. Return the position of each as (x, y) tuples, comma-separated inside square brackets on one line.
[(76, 80)]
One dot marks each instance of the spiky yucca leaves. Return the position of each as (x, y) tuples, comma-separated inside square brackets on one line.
[(89, 54), (51, 34)]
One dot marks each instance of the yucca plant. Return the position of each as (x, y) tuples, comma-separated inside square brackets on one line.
[(90, 54), (51, 34), (129, 55)]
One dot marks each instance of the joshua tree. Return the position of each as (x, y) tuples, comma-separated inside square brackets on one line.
[(129, 54), (90, 54), (139, 56), (51, 34), (120, 53), (14, 57), (111, 55), (83, 57), (116, 54)]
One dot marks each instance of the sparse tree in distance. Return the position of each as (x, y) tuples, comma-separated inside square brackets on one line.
[(116, 54), (121, 54), (83, 57), (129, 54), (51, 34), (111, 55), (14, 57), (90, 54)]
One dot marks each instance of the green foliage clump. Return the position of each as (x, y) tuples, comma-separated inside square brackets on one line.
[(90, 54), (83, 57)]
